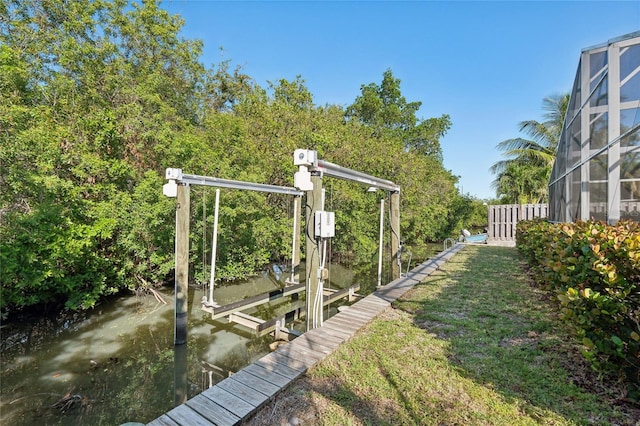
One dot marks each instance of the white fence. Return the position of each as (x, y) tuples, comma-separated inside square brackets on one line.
[(504, 218)]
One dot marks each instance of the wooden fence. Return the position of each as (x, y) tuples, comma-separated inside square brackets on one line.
[(504, 218)]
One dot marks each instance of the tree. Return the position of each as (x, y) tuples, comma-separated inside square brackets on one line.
[(223, 89), (385, 110), (99, 97), (100, 94), (524, 174), (522, 184)]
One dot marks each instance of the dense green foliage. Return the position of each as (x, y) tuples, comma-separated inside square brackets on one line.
[(99, 97), (523, 177), (595, 270)]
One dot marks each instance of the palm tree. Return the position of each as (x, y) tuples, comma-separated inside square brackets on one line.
[(522, 184), (536, 154)]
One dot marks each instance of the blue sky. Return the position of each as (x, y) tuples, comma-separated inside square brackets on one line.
[(488, 64)]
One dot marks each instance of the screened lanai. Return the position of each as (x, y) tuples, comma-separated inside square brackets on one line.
[(596, 174)]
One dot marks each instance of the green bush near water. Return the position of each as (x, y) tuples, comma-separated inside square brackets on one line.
[(594, 269)]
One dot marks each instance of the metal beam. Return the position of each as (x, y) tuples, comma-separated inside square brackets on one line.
[(334, 170), (232, 184)]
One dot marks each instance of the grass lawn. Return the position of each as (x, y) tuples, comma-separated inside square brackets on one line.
[(474, 344)]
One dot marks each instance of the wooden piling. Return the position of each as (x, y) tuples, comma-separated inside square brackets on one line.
[(314, 203), (183, 214)]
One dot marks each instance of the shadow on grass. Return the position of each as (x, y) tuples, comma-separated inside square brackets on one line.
[(503, 333), (329, 401)]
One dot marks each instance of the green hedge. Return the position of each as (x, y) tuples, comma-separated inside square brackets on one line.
[(594, 269)]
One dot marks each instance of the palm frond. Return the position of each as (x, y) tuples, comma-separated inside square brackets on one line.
[(519, 145), (537, 131), (499, 167), (524, 172)]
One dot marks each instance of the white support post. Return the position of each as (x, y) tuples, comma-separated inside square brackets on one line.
[(381, 242), (214, 247), (613, 91), (394, 207), (295, 240)]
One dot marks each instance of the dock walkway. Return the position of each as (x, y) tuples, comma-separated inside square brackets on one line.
[(236, 398)]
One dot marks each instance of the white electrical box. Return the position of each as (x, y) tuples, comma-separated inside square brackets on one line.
[(325, 224)]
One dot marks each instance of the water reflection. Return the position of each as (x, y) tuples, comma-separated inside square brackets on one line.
[(118, 363), (180, 366)]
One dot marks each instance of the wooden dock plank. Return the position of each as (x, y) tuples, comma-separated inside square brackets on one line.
[(288, 361), (334, 329), (366, 306), (344, 324), (313, 345), (237, 406), (363, 306), (373, 303), (349, 313), (374, 298), (392, 294), (217, 414), (320, 343), (307, 356), (321, 336), (386, 296), (404, 283), (355, 316), (163, 420), (265, 387), (419, 276), (339, 324), (425, 270), (279, 368), (267, 375), (185, 415), (400, 291), (364, 309), (242, 391)]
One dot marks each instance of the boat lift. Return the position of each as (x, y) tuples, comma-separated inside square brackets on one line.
[(308, 180), (178, 186)]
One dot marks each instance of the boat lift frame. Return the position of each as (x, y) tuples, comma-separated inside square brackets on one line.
[(308, 180), (178, 186)]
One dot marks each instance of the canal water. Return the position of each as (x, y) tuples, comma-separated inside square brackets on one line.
[(117, 363)]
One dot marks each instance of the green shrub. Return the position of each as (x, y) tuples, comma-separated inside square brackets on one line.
[(594, 269)]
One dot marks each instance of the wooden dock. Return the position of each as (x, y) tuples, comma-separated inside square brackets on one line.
[(236, 398)]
